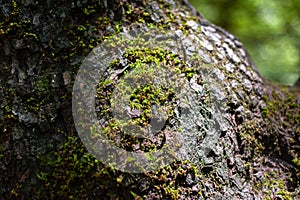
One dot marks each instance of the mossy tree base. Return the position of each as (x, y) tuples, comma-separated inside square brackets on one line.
[(41, 156)]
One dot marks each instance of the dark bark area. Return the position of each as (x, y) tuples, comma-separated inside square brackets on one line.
[(43, 44)]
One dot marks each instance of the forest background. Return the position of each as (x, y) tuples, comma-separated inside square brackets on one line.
[(269, 29)]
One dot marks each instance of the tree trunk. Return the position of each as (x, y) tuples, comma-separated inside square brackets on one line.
[(253, 152)]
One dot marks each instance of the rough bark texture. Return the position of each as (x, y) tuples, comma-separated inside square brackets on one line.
[(41, 157)]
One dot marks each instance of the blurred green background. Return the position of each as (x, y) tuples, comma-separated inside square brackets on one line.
[(269, 29)]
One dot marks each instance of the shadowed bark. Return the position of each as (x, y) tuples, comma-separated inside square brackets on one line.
[(43, 44)]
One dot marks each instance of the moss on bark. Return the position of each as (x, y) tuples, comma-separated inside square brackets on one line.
[(41, 156)]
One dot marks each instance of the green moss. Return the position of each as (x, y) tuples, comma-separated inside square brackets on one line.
[(1, 153), (273, 186), (284, 107), (89, 10), (70, 164), (43, 86), (129, 9), (250, 133), (72, 173), (143, 97)]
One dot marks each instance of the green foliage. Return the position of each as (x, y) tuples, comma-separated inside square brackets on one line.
[(269, 29)]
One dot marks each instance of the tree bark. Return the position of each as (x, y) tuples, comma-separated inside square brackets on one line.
[(43, 45)]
